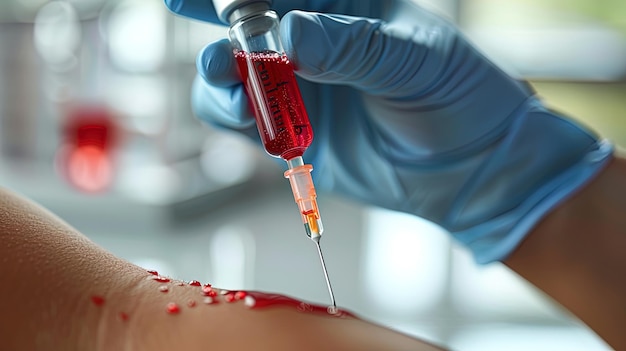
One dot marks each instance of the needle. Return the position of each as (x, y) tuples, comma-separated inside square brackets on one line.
[(330, 289)]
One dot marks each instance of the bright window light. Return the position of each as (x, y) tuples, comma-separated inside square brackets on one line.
[(405, 263), (232, 254), (57, 34), (493, 291), (136, 33), (523, 338), (141, 99)]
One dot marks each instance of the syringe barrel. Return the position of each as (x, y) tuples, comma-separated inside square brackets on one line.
[(306, 198), (269, 81), (275, 100)]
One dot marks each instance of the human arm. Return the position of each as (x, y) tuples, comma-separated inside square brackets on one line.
[(63, 292), (576, 254)]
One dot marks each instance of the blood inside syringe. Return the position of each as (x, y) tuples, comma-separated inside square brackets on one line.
[(274, 95)]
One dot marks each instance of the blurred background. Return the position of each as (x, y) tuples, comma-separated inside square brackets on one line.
[(96, 125)]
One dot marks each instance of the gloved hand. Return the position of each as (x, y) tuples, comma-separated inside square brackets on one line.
[(409, 116)]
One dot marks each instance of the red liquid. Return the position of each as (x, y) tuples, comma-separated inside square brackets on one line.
[(240, 295), (97, 300), (172, 308), (153, 272), (86, 156), (90, 125), (274, 95), (256, 299), (161, 279), (123, 316), (194, 283), (208, 291)]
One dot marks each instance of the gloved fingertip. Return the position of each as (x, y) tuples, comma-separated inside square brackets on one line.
[(199, 9), (216, 64), (174, 5)]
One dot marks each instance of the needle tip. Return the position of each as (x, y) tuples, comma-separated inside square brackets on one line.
[(330, 289)]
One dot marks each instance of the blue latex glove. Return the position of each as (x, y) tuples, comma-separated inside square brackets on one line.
[(409, 116)]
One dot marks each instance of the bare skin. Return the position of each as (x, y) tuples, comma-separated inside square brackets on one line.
[(50, 273), (577, 255)]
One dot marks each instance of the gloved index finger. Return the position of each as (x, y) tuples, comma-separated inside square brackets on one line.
[(202, 10)]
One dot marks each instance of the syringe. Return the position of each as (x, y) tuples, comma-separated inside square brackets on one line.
[(275, 98)]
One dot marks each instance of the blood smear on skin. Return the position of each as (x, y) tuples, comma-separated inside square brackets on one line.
[(255, 300)]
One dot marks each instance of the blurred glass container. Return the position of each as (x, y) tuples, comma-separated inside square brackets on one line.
[(19, 93), (86, 156)]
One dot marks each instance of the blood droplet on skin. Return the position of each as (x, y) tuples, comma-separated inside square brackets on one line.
[(164, 288), (208, 291), (160, 279), (172, 308), (97, 300), (153, 272), (194, 283), (191, 303), (123, 316), (240, 295), (207, 285)]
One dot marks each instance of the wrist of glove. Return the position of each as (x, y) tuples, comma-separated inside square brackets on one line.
[(489, 197)]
